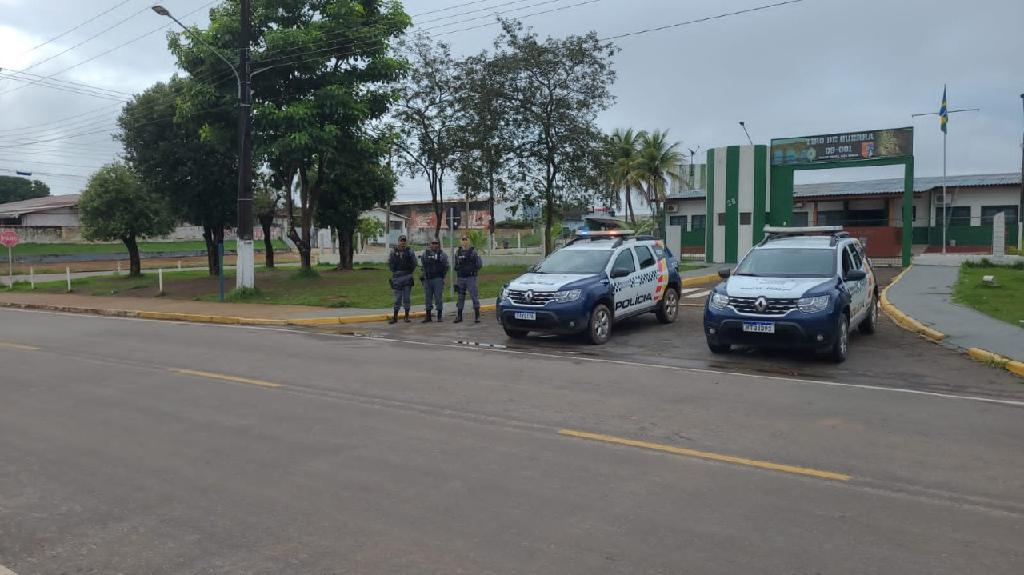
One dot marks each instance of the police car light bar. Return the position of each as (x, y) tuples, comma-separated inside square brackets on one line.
[(808, 230), (603, 233)]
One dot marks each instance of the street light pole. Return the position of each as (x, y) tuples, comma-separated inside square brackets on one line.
[(245, 265)]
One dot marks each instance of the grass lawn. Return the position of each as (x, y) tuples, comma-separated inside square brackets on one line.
[(1005, 302), (118, 248), (365, 287)]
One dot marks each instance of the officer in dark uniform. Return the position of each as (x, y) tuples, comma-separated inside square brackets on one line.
[(401, 262), (435, 268), (467, 266)]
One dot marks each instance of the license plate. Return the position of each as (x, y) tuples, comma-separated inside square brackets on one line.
[(759, 327), (527, 315)]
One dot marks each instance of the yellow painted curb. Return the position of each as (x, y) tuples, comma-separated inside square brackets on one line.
[(903, 320), (985, 356), (699, 280)]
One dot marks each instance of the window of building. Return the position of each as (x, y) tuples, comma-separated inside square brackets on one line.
[(866, 218), (989, 212), (698, 222), (958, 215), (721, 219), (645, 257), (744, 218), (831, 218), (677, 221), (799, 219)]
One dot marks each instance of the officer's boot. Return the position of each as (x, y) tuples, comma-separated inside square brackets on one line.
[(406, 316), (476, 315), (430, 316), (394, 318), (439, 319), (458, 316)]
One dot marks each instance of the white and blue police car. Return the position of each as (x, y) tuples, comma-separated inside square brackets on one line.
[(585, 287), (798, 288)]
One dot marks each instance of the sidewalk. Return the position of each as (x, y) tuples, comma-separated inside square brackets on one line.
[(925, 293)]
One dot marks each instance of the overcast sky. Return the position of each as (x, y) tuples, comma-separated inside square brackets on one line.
[(816, 66)]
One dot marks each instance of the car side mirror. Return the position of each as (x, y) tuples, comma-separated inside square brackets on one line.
[(855, 275), (532, 268), (619, 273), (724, 274)]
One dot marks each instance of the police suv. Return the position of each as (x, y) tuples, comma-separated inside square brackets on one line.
[(594, 281), (799, 287)]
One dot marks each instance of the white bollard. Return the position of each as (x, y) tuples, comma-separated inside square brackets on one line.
[(160, 278), (179, 265), (519, 240), (118, 272), (32, 276), (67, 273)]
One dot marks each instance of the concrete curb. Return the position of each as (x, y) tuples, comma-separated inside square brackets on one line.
[(369, 318), (985, 356), (699, 280), (903, 320)]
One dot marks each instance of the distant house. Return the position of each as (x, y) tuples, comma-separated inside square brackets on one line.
[(421, 219), (396, 224), (49, 211)]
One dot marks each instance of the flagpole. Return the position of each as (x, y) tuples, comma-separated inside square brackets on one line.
[(944, 201)]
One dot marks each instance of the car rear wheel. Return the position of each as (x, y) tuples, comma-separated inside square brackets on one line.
[(600, 328), (867, 325), (842, 343), (668, 309)]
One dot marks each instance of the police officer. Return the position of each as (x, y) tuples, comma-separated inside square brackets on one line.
[(401, 262), (467, 266), (435, 268)]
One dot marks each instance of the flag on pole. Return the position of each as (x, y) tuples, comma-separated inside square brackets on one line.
[(943, 112)]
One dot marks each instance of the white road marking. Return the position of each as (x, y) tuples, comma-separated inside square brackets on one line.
[(471, 349), (685, 291), (702, 293)]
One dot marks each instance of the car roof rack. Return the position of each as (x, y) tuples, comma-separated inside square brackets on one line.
[(775, 232)]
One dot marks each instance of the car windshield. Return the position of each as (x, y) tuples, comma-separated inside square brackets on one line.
[(575, 262), (788, 263)]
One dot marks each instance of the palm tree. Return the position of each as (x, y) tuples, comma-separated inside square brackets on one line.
[(657, 163), (624, 176)]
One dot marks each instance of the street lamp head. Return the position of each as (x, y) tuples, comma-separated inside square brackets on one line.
[(161, 10)]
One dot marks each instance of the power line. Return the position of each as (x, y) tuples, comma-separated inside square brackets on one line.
[(700, 20), (71, 83), (33, 173), (89, 39), (76, 27), (56, 85)]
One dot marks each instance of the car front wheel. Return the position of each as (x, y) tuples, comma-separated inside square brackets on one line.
[(842, 343), (868, 324), (600, 328)]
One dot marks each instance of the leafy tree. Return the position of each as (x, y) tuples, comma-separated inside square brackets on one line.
[(117, 206), (15, 189), (172, 137), (356, 182), (427, 117), (266, 199), (485, 142), (624, 175), (555, 88), (369, 227), (657, 163)]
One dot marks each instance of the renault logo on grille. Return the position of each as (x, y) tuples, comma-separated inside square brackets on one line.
[(760, 305), (529, 295)]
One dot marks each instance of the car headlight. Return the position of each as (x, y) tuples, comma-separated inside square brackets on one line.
[(813, 304), (567, 295), (719, 300), (504, 293)]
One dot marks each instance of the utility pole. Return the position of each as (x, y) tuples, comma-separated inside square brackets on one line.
[(245, 267), (1020, 208)]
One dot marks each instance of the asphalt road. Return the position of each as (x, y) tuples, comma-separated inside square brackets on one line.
[(144, 447)]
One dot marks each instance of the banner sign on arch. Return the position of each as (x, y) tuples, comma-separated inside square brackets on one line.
[(851, 146)]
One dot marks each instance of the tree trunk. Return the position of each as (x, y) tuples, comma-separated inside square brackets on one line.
[(629, 206), (210, 237), (549, 221), (134, 262), (490, 193), (266, 221), (346, 248)]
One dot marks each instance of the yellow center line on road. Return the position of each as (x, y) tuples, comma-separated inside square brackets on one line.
[(222, 377), (8, 345), (806, 471)]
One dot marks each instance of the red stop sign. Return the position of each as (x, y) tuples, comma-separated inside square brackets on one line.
[(8, 238)]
